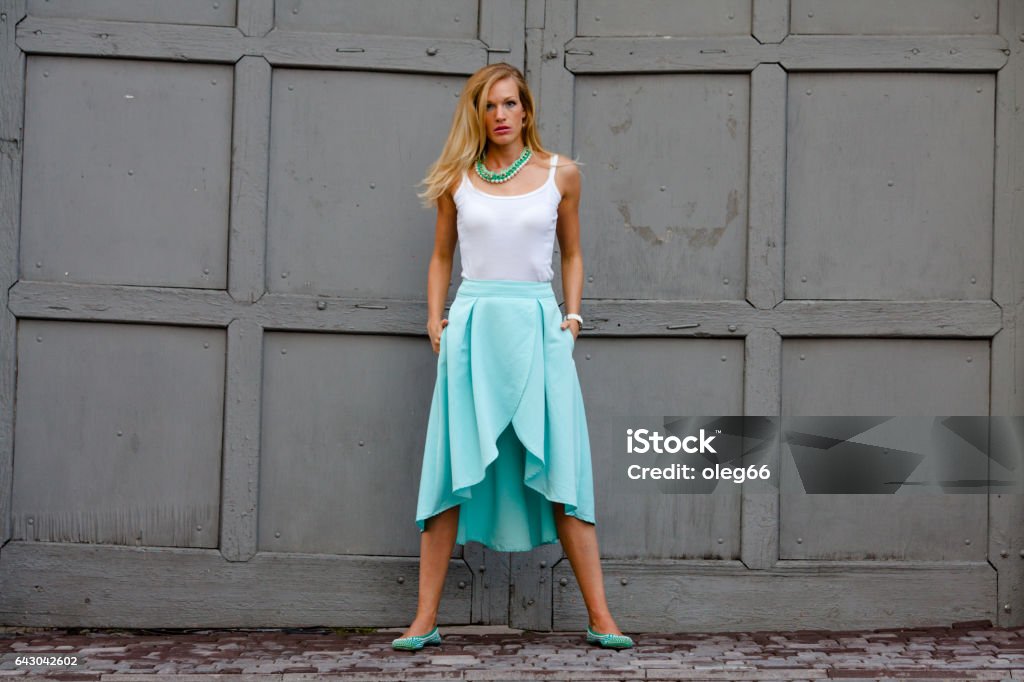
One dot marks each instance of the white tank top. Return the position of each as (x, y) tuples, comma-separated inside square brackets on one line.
[(507, 237)]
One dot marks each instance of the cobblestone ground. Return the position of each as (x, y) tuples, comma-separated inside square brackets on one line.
[(969, 651)]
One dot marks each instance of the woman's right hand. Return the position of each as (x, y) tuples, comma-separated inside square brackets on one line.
[(434, 331)]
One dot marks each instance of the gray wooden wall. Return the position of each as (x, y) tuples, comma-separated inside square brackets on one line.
[(215, 377)]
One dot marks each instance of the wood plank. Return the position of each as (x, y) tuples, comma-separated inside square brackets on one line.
[(1006, 532), (255, 17), (502, 25), (97, 38), (239, 503), (12, 120), (795, 53), (53, 584), (249, 171), (762, 396), (723, 596), (371, 52), (766, 231), (770, 21), (491, 577)]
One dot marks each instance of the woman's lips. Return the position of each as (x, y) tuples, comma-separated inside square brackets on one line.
[(502, 130)]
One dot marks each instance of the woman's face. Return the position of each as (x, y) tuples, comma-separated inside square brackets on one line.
[(504, 114)]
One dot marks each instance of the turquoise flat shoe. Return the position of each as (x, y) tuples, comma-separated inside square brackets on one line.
[(417, 642), (608, 641)]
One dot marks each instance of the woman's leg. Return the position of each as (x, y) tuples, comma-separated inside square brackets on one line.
[(579, 540), (436, 544)]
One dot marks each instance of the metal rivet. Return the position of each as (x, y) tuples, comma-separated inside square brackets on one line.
[(977, 15), (974, 280), (216, 5), (801, 356), (373, 185), (291, 87), (483, 568), (624, 581), (39, 338), (199, 527), (295, 10), (967, 541), (213, 82), (720, 540), (462, 584), (320, 305), (1005, 553), (723, 358), (431, 51), (284, 351), (401, 579), (970, 359), (457, 20), (597, 18), (563, 582), (587, 356), (725, 280), (953, 50), (915, 51), (206, 271), (31, 521), (663, 188), (39, 263), (131, 172), (284, 274), (360, 443), (590, 279), (529, 603), (277, 534), (543, 564), (810, 14), (1006, 608), (120, 433), (206, 344), (732, 327), (799, 541), (730, 93), (807, 92), (803, 278), (594, 93)]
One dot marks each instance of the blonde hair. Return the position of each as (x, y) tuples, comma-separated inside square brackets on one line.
[(467, 138)]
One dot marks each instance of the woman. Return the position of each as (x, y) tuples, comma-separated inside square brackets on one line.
[(507, 456)]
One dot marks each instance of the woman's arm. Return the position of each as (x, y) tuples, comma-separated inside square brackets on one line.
[(440, 271), (568, 232)]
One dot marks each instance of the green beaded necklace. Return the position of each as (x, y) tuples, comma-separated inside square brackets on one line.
[(504, 174)]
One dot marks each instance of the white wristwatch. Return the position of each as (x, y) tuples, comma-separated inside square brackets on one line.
[(573, 316)]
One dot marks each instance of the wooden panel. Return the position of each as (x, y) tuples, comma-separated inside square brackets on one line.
[(658, 377), (118, 434), (663, 17), (448, 19), (882, 377), (220, 13), (52, 584), (669, 596), (889, 186), (894, 16), (343, 426), (653, 202), (139, 154), (347, 149), (12, 111)]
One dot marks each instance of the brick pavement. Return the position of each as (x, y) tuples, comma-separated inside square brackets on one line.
[(968, 651)]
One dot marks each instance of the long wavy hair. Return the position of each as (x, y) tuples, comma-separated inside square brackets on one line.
[(467, 138)]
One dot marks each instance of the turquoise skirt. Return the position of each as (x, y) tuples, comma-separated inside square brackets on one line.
[(507, 433)]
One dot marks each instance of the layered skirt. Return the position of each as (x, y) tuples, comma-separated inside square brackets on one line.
[(507, 433)]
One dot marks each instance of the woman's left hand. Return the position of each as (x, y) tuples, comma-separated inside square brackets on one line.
[(575, 327)]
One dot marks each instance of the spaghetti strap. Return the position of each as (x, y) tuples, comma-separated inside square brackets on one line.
[(554, 160)]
